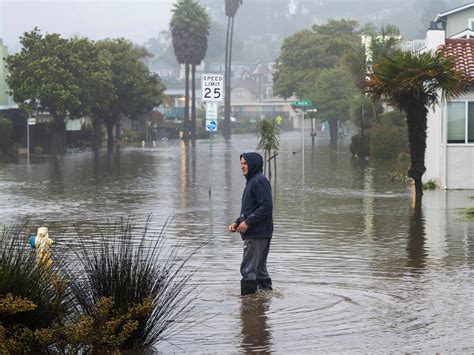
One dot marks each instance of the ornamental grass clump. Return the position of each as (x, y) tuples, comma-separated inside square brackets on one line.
[(134, 278), (21, 279), (32, 297)]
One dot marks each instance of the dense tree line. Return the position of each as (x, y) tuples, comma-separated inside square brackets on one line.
[(328, 65), (71, 78)]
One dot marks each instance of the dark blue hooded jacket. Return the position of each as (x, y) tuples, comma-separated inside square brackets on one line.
[(257, 206)]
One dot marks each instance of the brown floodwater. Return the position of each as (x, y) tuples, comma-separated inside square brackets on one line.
[(355, 267)]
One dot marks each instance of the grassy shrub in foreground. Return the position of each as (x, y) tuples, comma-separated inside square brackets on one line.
[(20, 278), (126, 290), (32, 297), (134, 269)]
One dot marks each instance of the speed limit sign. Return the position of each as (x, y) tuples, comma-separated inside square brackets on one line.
[(212, 87)]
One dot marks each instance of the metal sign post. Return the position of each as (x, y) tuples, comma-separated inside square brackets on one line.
[(210, 165), (313, 123), (302, 147), (211, 126), (303, 105), (29, 121), (212, 88)]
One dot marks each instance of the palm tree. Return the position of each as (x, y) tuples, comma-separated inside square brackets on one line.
[(231, 7), (180, 28), (268, 132), (414, 83), (198, 48)]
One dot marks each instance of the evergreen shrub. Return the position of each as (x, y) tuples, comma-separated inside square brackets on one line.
[(5, 134), (393, 118), (387, 142), (355, 146)]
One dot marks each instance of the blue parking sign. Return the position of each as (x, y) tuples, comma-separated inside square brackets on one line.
[(211, 125)]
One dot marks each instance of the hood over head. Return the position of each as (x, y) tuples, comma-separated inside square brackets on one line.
[(254, 163)]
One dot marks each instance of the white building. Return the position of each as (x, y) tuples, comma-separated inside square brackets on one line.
[(450, 136)]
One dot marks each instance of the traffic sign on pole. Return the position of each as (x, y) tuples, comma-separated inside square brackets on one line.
[(302, 103), (212, 87), (211, 125), (212, 110)]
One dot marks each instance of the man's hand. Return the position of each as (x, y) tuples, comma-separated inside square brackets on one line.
[(233, 228), (242, 228)]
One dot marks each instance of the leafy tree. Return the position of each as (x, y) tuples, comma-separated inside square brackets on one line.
[(54, 74), (362, 111), (359, 59), (157, 46), (136, 90), (98, 91), (231, 7), (306, 52), (414, 83), (66, 77), (332, 94)]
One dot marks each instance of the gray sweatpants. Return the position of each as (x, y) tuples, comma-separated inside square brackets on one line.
[(254, 260)]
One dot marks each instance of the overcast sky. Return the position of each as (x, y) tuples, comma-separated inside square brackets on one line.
[(136, 20)]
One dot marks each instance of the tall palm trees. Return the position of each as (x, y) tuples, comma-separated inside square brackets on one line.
[(414, 83), (189, 28), (231, 7)]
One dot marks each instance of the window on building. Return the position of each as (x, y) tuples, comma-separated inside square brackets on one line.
[(461, 122), (456, 122), (470, 123)]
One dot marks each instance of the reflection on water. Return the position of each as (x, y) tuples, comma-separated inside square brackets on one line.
[(416, 239), (255, 332), (355, 267)]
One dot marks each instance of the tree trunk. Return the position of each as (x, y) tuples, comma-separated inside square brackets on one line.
[(333, 132), (227, 98), (269, 165), (57, 139), (416, 122), (275, 165), (193, 103), (374, 113), (362, 143), (186, 105), (110, 137), (226, 75), (265, 158), (118, 134), (96, 124)]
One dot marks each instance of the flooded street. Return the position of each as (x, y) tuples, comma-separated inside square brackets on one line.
[(355, 267)]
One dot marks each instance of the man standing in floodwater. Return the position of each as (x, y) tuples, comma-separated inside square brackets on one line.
[(255, 225)]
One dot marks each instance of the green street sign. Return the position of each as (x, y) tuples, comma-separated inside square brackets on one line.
[(303, 103)]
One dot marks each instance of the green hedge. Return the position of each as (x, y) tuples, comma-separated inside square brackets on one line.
[(5, 135), (356, 146), (387, 142), (381, 142), (393, 118)]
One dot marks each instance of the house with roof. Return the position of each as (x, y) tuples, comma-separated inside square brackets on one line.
[(450, 135), (253, 99)]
